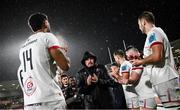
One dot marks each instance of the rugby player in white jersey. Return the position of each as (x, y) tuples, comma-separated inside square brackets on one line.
[(141, 81), (36, 72), (159, 62), (129, 90)]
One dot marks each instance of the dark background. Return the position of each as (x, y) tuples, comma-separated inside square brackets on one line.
[(91, 25)]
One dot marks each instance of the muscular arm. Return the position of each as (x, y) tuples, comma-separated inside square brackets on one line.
[(60, 59), (125, 75), (156, 56), (133, 78), (116, 76)]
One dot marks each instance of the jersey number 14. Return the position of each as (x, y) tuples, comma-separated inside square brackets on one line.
[(27, 59)]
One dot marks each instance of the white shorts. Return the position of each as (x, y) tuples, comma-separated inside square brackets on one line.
[(54, 105), (169, 92), (132, 102), (147, 103)]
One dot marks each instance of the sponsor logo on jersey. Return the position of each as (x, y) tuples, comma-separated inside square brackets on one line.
[(152, 38), (30, 86)]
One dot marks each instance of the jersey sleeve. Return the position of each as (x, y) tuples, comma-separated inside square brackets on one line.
[(125, 68), (137, 69), (154, 39), (51, 41)]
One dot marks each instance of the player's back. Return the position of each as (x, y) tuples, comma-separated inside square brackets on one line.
[(36, 70)]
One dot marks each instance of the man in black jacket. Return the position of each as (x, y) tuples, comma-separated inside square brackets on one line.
[(94, 82)]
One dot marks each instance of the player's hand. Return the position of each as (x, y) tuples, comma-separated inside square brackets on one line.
[(136, 62), (125, 81)]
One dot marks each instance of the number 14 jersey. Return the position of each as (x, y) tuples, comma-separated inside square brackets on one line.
[(36, 72)]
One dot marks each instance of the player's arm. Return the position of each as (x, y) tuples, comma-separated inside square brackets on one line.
[(125, 75), (116, 76), (125, 71), (61, 60), (57, 51), (133, 78), (156, 56), (124, 78), (156, 45)]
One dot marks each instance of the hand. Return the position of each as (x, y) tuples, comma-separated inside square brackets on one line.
[(116, 76), (123, 81), (94, 78), (136, 62), (89, 79)]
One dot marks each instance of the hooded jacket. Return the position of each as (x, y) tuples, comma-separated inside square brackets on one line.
[(97, 95)]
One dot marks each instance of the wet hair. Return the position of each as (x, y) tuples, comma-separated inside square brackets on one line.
[(148, 16), (119, 53), (36, 21), (130, 47)]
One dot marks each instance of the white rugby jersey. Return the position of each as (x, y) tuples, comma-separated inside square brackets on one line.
[(143, 87), (37, 71), (129, 90), (164, 70)]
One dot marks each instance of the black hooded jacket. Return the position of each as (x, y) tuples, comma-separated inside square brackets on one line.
[(97, 95)]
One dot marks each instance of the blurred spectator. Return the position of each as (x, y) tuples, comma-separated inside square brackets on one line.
[(67, 91), (73, 83), (76, 100)]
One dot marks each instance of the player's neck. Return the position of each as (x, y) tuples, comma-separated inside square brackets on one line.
[(149, 28), (41, 30), (121, 61)]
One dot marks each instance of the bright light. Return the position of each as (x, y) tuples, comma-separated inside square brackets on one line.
[(11, 51), (62, 41)]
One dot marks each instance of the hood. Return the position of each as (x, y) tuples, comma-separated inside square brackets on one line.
[(87, 55)]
